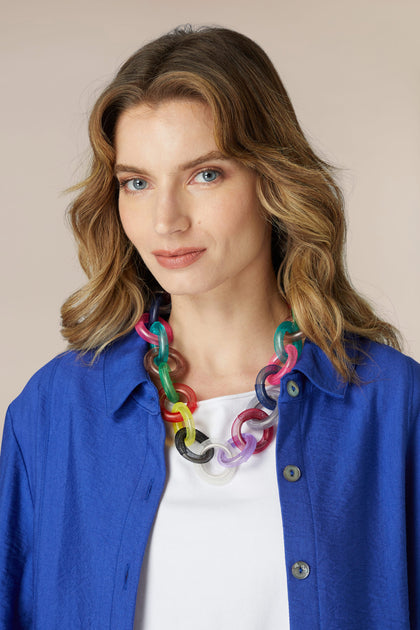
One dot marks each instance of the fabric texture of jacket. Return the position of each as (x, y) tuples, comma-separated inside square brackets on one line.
[(82, 470)]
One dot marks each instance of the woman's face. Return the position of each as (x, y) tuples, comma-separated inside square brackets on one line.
[(192, 214)]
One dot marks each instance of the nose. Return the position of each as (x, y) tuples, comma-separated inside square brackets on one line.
[(171, 214)]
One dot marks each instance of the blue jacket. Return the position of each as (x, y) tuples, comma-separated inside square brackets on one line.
[(82, 471)]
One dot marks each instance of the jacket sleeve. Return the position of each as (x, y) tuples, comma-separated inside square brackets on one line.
[(413, 501), (16, 535)]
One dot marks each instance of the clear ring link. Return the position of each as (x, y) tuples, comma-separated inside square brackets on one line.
[(272, 417), (296, 336), (267, 423), (203, 470)]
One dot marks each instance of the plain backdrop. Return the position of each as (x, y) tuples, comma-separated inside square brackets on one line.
[(350, 67)]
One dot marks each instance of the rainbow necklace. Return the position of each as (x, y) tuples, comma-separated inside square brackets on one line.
[(168, 364)]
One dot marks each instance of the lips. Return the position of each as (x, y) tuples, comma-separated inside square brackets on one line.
[(178, 258)]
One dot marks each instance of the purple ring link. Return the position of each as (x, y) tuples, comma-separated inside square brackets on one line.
[(240, 458)]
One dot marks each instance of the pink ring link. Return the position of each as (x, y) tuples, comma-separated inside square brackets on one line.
[(238, 438), (274, 379), (144, 333)]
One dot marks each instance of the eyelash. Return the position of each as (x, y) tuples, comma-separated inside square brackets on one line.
[(209, 170), (123, 184)]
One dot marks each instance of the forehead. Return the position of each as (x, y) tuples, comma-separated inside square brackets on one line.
[(175, 125)]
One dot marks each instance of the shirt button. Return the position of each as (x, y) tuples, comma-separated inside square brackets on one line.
[(300, 570), (292, 389), (292, 473)]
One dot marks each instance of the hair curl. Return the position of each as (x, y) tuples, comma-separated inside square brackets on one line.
[(255, 124)]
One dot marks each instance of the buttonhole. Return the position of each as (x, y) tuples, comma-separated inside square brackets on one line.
[(127, 570), (149, 490)]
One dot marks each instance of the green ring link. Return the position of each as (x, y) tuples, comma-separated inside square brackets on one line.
[(286, 327), (158, 329), (167, 384)]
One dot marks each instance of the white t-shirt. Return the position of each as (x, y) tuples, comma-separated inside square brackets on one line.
[(215, 558)]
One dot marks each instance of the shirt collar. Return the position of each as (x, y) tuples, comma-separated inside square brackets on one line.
[(317, 367), (124, 372)]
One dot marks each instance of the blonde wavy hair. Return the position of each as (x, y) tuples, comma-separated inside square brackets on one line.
[(255, 124)]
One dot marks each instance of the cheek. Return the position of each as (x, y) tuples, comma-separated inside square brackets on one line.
[(128, 221), (245, 216), (122, 211)]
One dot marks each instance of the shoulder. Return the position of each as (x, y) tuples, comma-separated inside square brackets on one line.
[(73, 380), (71, 390), (392, 377), (376, 361), (62, 371), (47, 392)]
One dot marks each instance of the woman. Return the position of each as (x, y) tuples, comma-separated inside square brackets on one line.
[(204, 187)]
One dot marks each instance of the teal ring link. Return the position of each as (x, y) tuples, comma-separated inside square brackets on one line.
[(286, 327), (167, 384), (158, 329)]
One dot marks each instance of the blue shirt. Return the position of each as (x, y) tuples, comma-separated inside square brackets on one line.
[(82, 470)]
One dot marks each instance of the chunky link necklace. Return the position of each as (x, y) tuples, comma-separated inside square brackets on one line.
[(168, 364)]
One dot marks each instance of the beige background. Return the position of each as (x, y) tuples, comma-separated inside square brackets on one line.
[(352, 71)]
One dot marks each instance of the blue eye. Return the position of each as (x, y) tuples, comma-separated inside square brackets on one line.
[(209, 175), (135, 184)]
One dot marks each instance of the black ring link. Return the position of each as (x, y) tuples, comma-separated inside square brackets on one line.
[(186, 452), (154, 309)]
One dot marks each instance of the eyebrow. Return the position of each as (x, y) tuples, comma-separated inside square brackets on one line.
[(213, 155)]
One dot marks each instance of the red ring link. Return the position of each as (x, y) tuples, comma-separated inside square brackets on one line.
[(251, 414), (177, 360), (144, 332), (191, 402)]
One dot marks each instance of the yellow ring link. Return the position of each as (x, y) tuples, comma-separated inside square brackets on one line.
[(188, 422), (177, 426)]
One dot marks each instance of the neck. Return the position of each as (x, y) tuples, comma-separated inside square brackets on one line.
[(226, 338)]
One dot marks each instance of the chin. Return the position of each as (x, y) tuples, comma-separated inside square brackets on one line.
[(186, 286), (184, 283), (179, 289)]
